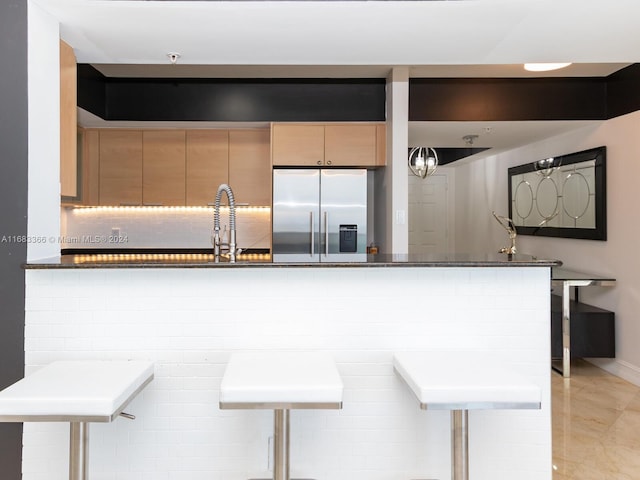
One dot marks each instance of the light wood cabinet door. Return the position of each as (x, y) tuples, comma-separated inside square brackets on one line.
[(120, 167), (163, 167), (207, 164), (68, 122), (350, 145), (250, 166), (328, 145), (298, 145), (90, 167), (381, 145)]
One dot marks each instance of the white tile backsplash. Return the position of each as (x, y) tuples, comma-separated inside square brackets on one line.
[(188, 321), (150, 227)]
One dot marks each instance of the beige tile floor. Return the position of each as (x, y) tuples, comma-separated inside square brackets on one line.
[(596, 425)]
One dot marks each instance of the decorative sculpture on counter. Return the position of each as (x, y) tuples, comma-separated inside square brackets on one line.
[(508, 225)]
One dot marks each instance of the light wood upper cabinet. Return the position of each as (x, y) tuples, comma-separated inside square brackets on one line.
[(163, 167), (328, 145), (298, 145), (68, 122), (347, 145), (185, 167), (381, 145), (90, 166), (207, 164), (250, 166), (120, 167)]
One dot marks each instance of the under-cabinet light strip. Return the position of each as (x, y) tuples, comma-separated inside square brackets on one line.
[(156, 209), (164, 257)]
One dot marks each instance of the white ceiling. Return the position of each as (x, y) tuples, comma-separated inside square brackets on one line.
[(461, 38)]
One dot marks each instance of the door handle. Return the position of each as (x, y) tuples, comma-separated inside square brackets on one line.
[(312, 233), (326, 233)]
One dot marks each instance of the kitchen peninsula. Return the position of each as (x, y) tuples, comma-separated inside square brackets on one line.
[(189, 314)]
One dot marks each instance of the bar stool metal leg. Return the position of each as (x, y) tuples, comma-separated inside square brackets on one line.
[(281, 445), (79, 451), (459, 445)]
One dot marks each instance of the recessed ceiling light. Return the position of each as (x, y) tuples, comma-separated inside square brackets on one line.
[(544, 67)]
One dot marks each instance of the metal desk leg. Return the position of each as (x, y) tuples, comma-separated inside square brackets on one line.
[(281, 445), (566, 331), (79, 451), (459, 445)]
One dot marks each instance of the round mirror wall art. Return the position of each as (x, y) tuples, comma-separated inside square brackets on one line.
[(561, 196)]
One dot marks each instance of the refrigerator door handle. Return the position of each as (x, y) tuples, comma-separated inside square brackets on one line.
[(326, 233), (311, 230)]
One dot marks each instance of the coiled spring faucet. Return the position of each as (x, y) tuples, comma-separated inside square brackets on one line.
[(232, 222)]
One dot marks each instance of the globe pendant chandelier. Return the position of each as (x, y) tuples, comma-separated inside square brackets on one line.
[(423, 161)]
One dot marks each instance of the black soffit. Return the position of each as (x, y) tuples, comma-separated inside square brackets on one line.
[(231, 100), (507, 99), (449, 155), (524, 99), (430, 99), (241, 100)]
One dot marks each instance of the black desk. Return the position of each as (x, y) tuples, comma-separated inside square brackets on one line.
[(561, 277)]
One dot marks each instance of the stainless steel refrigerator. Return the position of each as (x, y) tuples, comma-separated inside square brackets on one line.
[(319, 215)]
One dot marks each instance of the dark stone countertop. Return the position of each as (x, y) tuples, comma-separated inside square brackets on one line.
[(261, 260)]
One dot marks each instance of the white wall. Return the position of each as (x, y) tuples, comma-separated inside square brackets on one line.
[(43, 223), (392, 231), (481, 186)]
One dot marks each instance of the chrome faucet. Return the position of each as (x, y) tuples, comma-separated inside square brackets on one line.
[(232, 222)]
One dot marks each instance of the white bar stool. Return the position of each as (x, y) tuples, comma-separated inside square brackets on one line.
[(281, 381), (463, 381), (78, 392)]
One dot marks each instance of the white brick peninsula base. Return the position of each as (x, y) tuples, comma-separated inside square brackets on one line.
[(188, 321)]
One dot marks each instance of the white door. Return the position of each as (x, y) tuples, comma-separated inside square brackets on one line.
[(428, 226)]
